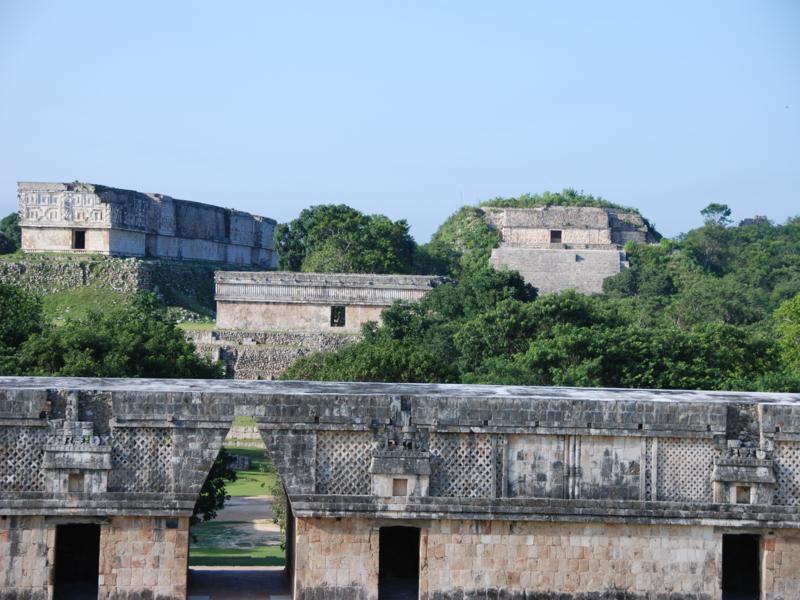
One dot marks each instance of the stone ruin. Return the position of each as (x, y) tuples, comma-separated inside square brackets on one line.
[(267, 320), (557, 248), (437, 492), (87, 218), (311, 302)]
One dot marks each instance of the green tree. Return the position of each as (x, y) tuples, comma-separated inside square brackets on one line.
[(337, 238), (10, 234), (134, 340), (20, 318), (463, 241), (787, 326), (717, 214), (212, 495)]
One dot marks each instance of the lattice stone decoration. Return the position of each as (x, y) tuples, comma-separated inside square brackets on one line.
[(787, 463), (21, 456), (461, 465), (684, 469), (141, 460), (648, 469), (343, 459)]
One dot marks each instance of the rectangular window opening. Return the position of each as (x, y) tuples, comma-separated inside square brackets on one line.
[(338, 316), (399, 487), (742, 494), (79, 240), (77, 561), (75, 482), (555, 236), (398, 563), (740, 567)]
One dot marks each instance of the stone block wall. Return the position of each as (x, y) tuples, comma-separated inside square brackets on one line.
[(180, 283), (263, 354), (141, 555), (336, 559), (295, 317), (26, 550), (471, 559), (53, 275), (780, 559), (130, 223), (553, 270), (468, 560)]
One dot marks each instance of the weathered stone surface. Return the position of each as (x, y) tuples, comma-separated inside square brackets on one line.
[(264, 354), (128, 223), (304, 301), (564, 247), (534, 492)]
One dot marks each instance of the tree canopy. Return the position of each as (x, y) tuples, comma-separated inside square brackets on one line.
[(696, 312), (135, 339), (337, 238), (10, 234)]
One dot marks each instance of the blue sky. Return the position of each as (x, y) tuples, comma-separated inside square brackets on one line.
[(410, 109)]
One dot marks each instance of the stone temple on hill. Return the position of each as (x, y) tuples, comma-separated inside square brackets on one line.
[(87, 218), (557, 248)]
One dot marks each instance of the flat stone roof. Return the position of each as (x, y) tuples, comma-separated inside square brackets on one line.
[(96, 188), (315, 388), (321, 288), (422, 282)]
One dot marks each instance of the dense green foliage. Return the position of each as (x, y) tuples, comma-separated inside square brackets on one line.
[(10, 234), (787, 325), (336, 238), (20, 318), (713, 274), (566, 197), (463, 241), (213, 494), (135, 339), (692, 313)]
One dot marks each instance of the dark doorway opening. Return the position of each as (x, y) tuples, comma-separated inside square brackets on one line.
[(338, 316), (740, 572), (77, 561), (555, 236), (79, 240), (398, 571)]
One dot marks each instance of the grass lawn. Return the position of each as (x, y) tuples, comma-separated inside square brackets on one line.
[(263, 556), (221, 544), (208, 326), (77, 302), (254, 482)]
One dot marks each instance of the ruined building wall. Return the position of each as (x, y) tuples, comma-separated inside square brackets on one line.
[(139, 553), (249, 354), (251, 316), (26, 553), (304, 301), (336, 559), (516, 492), (128, 223), (554, 270), (559, 247)]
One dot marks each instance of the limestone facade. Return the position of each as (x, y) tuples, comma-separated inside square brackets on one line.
[(89, 218), (311, 302), (264, 354), (514, 492), (563, 247)]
